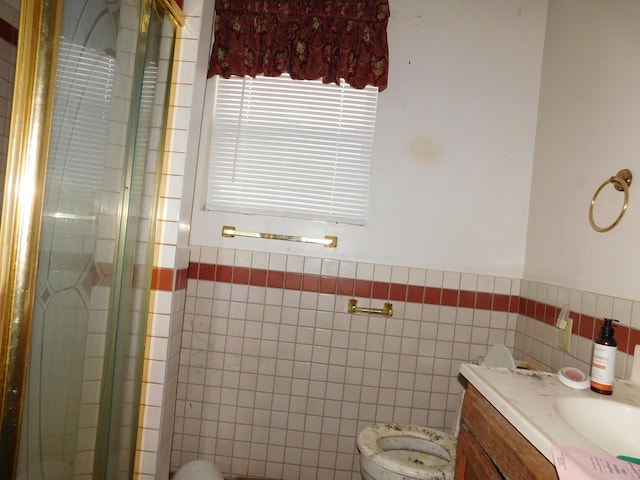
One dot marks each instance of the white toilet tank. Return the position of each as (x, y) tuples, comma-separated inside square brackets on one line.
[(198, 470)]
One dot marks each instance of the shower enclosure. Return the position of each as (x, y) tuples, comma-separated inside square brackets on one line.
[(77, 230)]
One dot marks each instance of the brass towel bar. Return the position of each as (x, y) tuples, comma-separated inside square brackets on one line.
[(328, 241), (386, 310)]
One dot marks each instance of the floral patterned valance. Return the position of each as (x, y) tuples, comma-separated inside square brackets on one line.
[(309, 39)]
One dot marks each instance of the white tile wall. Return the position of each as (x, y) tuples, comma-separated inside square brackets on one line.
[(536, 342), (167, 308), (7, 72), (277, 383)]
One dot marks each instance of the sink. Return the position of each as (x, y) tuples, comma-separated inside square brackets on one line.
[(612, 426), (547, 412)]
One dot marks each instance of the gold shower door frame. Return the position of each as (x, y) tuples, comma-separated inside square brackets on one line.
[(28, 148), (40, 24)]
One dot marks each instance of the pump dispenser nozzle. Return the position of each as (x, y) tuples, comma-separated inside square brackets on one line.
[(607, 328)]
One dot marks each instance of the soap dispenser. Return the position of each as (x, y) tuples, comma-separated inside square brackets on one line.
[(604, 359)]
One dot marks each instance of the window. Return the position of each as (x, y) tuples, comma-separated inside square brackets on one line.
[(289, 148)]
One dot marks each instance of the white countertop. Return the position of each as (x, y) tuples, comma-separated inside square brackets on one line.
[(526, 399)]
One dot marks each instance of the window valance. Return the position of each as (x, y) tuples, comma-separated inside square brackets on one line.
[(309, 39)]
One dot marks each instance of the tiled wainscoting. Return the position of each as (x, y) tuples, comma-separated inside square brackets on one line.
[(537, 338), (276, 379), (8, 44)]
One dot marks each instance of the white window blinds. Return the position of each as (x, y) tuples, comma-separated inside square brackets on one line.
[(292, 148)]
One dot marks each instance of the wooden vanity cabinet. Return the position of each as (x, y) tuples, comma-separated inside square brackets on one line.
[(489, 447)]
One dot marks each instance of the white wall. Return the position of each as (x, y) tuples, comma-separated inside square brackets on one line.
[(588, 129), (454, 144)]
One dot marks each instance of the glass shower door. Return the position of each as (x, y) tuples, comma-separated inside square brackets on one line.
[(124, 361), (65, 317), (80, 412)]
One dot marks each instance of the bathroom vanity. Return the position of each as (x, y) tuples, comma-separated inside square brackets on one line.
[(489, 447), (511, 418)]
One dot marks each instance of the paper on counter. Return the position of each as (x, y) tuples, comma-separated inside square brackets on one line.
[(575, 463)]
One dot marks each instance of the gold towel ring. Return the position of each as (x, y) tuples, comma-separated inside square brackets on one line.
[(621, 182)]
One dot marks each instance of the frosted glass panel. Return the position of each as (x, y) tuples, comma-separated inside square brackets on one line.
[(94, 267), (69, 319)]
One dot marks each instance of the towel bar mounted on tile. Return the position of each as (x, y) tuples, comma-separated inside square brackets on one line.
[(328, 241), (621, 182), (386, 310)]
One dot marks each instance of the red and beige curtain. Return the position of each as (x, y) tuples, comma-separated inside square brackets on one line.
[(308, 39)]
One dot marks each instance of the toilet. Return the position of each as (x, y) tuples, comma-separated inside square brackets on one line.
[(401, 451), (198, 470), (396, 451)]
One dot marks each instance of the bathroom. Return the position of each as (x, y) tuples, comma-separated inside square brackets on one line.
[(500, 121)]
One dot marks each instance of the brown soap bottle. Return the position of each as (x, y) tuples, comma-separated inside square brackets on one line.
[(604, 359)]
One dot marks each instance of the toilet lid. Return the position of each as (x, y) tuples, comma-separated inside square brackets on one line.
[(198, 470), (499, 356), (437, 443)]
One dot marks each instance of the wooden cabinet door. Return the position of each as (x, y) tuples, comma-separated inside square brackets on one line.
[(472, 463), (502, 446)]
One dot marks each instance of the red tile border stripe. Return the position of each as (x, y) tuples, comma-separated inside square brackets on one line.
[(353, 287), (583, 325)]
